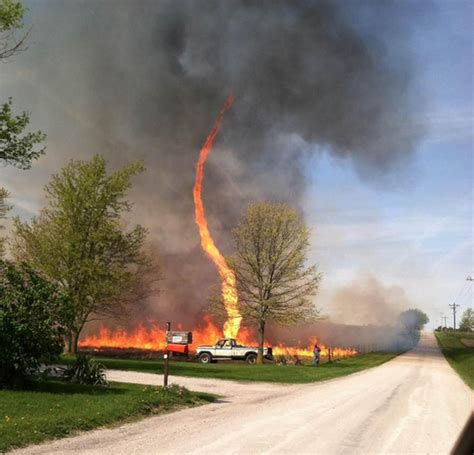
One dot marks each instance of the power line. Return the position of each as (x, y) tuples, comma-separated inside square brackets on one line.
[(466, 287)]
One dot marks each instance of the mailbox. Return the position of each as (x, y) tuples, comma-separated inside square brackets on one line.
[(174, 337)]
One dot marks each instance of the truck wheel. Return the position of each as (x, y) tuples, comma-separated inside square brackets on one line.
[(205, 357), (251, 359)]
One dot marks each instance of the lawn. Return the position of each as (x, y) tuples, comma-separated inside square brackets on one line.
[(242, 372), (53, 409), (458, 354)]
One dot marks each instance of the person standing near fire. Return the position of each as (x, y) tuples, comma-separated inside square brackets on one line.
[(316, 353)]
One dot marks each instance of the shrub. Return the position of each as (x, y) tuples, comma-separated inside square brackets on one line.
[(31, 321), (85, 370)]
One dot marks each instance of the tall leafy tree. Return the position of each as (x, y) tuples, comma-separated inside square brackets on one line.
[(273, 282), (79, 240), (17, 146)]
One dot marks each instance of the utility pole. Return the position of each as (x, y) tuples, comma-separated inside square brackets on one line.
[(453, 306), (443, 318)]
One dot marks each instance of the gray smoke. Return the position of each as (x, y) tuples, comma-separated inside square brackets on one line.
[(146, 80), (367, 301), (363, 314)]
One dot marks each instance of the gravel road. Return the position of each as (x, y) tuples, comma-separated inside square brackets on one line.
[(413, 404)]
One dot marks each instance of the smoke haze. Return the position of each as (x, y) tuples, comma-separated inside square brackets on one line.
[(367, 301), (147, 79)]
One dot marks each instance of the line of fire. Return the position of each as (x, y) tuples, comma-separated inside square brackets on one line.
[(206, 342)]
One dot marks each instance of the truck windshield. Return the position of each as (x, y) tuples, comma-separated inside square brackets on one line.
[(225, 343)]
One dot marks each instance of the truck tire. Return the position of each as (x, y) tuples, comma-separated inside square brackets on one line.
[(205, 358), (251, 358)]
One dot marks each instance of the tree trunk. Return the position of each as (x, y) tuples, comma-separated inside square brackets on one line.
[(261, 340), (72, 340), (76, 340), (68, 343)]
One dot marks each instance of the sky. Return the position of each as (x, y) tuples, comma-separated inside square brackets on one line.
[(417, 234), (411, 230)]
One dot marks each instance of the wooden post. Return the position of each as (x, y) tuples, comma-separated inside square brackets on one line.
[(167, 358)]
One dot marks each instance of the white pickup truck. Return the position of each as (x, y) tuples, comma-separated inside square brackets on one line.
[(228, 349)]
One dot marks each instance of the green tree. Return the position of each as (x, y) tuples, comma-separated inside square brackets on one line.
[(17, 147), (413, 319), (79, 240), (32, 316), (467, 321), (271, 245)]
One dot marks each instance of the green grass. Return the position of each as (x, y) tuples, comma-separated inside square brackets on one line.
[(52, 409), (243, 372), (460, 356)]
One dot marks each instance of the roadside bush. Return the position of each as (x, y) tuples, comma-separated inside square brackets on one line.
[(31, 322), (172, 393), (85, 370)]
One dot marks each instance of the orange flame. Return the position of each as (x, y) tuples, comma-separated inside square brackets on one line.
[(229, 291), (153, 338), (336, 352)]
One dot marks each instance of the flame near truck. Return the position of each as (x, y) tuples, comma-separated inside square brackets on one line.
[(224, 349), (228, 349)]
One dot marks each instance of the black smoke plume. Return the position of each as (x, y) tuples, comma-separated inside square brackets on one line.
[(146, 79)]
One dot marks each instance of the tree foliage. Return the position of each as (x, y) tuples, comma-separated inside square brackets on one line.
[(271, 244), (413, 319), (11, 20), (79, 240), (32, 316), (18, 147), (467, 321)]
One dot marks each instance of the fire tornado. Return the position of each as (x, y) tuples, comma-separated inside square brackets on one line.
[(229, 290)]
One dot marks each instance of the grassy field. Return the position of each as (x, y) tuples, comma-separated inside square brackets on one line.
[(460, 356), (242, 372), (52, 409)]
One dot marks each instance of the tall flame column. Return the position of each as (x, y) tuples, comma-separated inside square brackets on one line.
[(229, 290)]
